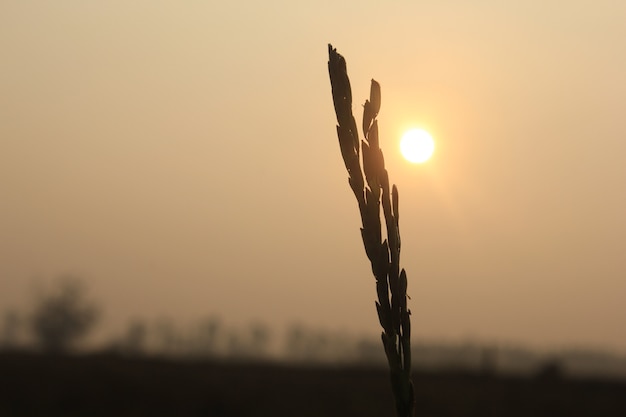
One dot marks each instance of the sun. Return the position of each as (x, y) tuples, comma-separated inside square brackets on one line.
[(417, 146)]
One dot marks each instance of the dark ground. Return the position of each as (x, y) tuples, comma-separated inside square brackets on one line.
[(108, 385)]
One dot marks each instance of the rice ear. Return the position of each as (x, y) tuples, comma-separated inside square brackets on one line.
[(369, 181)]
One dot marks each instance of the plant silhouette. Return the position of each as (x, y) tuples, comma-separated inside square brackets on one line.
[(369, 182)]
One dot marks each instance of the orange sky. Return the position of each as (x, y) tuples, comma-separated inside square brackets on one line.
[(181, 157)]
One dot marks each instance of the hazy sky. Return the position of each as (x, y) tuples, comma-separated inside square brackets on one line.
[(181, 157)]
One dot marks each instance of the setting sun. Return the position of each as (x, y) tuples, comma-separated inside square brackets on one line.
[(417, 146)]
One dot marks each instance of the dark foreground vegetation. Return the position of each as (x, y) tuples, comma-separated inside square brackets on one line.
[(111, 385)]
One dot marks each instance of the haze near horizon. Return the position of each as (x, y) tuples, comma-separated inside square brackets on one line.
[(182, 159)]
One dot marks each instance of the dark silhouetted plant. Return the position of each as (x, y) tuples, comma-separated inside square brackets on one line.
[(369, 181)]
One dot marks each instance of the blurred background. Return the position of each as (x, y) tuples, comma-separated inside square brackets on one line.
[(170, 174)]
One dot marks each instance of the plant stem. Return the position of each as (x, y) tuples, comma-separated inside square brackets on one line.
[(369, 182)]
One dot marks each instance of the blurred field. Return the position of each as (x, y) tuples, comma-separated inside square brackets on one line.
[(110, 385)]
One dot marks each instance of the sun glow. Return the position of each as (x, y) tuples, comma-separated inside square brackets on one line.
[(417, 146)]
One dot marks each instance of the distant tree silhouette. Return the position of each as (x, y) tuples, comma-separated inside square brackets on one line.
[(63, 316), (170, 340), (134, 341), (10, 330), (260, 336), (303, 344), (551, 369), (207, 337)]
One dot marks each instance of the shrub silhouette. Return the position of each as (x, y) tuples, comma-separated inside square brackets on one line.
[(62, 317)]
